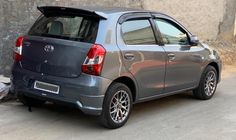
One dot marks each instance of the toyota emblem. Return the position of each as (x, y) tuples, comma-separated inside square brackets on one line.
[(48, 48)]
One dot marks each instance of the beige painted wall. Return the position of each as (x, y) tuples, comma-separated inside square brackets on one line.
[(202, 17), (235, 27)]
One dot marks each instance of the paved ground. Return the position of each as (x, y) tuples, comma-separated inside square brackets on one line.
[(178, 117)]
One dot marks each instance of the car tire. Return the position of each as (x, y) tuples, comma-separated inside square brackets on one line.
[(207, 85), (117, 106), (28, 101)]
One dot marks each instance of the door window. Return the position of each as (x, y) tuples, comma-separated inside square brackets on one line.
[(138, 32), (171, 34)]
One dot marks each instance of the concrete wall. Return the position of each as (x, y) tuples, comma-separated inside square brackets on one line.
[(203, 17), (228, 25)]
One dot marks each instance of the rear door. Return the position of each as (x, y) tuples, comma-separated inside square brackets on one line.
[(58, 43), (142, 56), (181, 69)]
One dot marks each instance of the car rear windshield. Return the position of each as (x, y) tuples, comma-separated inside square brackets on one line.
[(76, 28)]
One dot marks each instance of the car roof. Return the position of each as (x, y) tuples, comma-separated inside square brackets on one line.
[(112, 10)]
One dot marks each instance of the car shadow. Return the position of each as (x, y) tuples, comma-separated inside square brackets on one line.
[(61, 115)]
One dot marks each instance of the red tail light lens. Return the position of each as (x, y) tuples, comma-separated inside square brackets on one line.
[(94, 60), (18, 49)]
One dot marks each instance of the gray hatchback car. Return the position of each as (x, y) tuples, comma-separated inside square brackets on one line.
[(105, 60)]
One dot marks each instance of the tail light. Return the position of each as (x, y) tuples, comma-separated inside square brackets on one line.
[(18, 49), (94, 60)]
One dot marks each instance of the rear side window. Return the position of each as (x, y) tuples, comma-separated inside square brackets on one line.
[(138, 32), (66, 27)]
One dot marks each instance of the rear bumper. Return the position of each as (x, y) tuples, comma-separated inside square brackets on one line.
[(86, 92)]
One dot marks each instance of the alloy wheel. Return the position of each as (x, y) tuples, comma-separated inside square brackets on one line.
[(210, 83), (119, 106)]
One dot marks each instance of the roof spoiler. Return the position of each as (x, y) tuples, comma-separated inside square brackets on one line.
[(52, 10)]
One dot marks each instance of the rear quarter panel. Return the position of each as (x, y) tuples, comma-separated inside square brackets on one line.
[(113, 67)]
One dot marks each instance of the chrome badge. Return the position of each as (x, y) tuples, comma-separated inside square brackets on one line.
[(48, 48)]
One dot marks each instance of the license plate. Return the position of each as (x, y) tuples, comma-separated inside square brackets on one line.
[(46, 87)]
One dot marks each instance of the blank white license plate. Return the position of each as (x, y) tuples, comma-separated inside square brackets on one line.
[(46, 87)]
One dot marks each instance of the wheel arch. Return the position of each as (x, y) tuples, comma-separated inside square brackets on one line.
[(130, 83), (217, 67)]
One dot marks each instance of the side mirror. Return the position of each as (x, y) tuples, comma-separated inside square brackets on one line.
[(194, 40)]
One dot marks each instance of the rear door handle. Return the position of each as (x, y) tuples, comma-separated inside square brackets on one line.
[(171, 56), (129, 56)]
